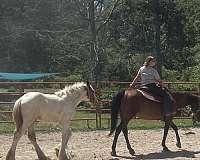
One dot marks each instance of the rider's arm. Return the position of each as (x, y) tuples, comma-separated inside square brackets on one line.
[(137, 77), (158, 79)]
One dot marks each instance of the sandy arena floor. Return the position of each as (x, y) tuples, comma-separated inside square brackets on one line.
[(96, 145)]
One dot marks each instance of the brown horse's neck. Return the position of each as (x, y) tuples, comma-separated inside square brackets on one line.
[(181, 99), (184, 99)]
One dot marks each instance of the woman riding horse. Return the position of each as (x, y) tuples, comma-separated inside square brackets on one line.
[(151, 80), (131, 103)]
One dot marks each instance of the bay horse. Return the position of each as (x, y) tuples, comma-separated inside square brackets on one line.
[(58, 107), (131, 103)]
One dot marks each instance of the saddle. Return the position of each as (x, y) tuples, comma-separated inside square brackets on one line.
[(145, 92)]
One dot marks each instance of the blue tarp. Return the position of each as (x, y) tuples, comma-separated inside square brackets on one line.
[(22, 76)]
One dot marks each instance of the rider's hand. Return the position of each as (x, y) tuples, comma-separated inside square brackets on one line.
[(131, 86)]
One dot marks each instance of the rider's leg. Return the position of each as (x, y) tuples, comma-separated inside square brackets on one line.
[(167, 108)]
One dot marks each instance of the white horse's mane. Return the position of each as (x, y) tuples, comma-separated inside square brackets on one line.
[(68, 90)]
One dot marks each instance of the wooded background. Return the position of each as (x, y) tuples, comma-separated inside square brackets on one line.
[(100, 39)]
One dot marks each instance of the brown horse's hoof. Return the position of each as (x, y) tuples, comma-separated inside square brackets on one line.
[(113, 153), (132, 152), (10, 155), (57, 151), (165, 149), (43, 158), (178, 145), (10, 158)]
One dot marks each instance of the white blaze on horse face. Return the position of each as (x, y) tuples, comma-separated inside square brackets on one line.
[(91, 88)]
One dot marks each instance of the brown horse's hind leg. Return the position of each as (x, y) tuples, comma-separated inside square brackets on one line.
[(175, 128), (125, 132), (32, 138), (117, 132), (166, 129), (122, 127)]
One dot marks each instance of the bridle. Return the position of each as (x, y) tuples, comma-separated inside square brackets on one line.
[(90, 92)]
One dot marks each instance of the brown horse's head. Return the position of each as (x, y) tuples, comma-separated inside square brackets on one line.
[(194, 101), (185, 99), (188, 99)]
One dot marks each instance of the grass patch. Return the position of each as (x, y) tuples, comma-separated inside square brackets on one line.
[(90, 125), (6, 128)]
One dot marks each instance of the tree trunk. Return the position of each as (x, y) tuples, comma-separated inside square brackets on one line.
[(93, 52), (157, 21)]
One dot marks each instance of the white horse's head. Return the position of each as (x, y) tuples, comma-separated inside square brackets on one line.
[(84, 91), (88, 93)]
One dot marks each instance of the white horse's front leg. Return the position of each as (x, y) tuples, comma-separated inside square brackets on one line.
[(68, 135), (65, 137)]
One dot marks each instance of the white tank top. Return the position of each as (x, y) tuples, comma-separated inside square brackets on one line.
[(148, 75)]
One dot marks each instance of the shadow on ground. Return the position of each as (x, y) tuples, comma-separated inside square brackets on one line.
[(161, 155)]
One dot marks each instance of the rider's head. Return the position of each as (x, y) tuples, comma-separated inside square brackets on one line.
[(150, 61)]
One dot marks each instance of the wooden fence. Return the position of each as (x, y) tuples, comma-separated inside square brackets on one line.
[(17, 89), (97, 118)]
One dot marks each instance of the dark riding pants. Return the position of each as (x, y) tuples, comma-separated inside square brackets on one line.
[(159, 91)]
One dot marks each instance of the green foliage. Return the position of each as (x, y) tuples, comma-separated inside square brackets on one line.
[(56, 36), (170, 75), (192, 73)]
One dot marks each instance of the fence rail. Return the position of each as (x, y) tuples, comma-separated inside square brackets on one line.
[(96, 111)]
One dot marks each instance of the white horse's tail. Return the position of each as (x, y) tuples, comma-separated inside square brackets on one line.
[(17, 115)]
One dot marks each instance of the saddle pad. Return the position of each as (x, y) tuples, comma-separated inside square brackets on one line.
[(150, 97)]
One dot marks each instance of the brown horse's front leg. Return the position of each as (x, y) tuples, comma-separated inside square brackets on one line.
[(125, 132), (166, 129), (175, 128), (117, 132)]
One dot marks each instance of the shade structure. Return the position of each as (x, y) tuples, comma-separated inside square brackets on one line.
[(23, 76)]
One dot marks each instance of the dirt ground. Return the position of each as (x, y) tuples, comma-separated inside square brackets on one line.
[(96, 145)]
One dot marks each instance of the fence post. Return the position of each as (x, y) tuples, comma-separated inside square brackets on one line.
[(109, 122), (96, 111), (199, 88), (88, 124), (100, 119)]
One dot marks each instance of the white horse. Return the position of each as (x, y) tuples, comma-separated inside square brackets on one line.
[(59, 107)]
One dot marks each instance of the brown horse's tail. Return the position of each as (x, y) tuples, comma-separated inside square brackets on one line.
[(116, 102), (17, 115)]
